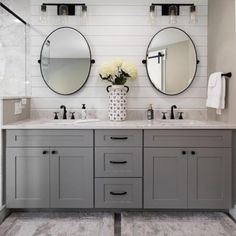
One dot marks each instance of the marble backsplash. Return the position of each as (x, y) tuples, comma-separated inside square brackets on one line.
[(132, 114)]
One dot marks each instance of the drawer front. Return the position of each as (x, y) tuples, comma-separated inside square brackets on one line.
[(118, 193), (187, 138), (55, 138), (118, 138), (117, 162)]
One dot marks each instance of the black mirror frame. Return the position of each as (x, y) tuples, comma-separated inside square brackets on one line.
[(197, 62), (92, 61)]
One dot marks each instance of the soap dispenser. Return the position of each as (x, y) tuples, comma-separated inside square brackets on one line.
[(84, 112), (150, 113)]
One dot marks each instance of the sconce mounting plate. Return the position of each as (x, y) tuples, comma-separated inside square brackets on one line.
[(166, 7), (70, 7)]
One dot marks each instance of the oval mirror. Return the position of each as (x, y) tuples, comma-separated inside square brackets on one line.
[(65, 61), (171, 61)]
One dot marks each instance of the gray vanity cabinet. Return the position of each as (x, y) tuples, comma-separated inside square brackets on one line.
[(181, 175), (118, 169), (49, 169), (27, 178), (71, 177), (165, 178)]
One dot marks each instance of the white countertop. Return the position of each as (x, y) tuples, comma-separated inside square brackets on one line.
[(129, 124)]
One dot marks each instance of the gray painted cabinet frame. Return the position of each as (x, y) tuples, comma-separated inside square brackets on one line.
[(199, 178), (40, 175)]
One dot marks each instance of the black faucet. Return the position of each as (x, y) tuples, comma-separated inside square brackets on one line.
[(172, 115), (64, 112)]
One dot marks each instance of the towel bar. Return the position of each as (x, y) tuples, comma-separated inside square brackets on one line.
[(228, 75)]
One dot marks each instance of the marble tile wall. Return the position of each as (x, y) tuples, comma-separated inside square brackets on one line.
[(12, 56)]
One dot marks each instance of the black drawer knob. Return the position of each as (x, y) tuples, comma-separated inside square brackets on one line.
[(45, 152), (118, 162), (118, 194), (184, 152), (193, 152), (54, 152), (119, 138)]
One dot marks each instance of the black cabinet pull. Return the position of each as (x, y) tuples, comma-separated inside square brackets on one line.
[(45, 152), (184, 152), (118, 194), (193, 152), (54, 152), (118, 162), (119, 138)]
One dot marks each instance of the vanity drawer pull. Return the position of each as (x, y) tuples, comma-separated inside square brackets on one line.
[(45, 152), (54, 152), (119, 138), (118, 162), (184, 152), (118, 194), (193, 152)]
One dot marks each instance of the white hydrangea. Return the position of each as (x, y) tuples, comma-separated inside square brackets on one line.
[(107, 70), (130, 69), (117, 62)]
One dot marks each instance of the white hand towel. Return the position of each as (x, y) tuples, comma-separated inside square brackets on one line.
[(216, 92)]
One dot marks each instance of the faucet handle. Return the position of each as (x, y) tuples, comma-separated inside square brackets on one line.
[(72, 115), (164, 115), (56, 115), (180, 115)]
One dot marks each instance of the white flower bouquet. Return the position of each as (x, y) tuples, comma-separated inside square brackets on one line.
[(118, 72)]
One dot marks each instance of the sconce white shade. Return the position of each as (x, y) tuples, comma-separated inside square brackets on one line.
[(193, 19), (152, 14), (43, 18), (84, 10), (173, 12)]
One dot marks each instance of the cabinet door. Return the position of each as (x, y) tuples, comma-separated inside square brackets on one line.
[(71, 172), (209, 178), (27, 171), (165, 178)]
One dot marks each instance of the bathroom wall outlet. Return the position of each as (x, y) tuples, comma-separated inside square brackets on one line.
[(18, 108), (23, 101)]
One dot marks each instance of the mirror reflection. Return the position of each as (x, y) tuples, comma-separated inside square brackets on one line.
[(65, 61), (171, 61)]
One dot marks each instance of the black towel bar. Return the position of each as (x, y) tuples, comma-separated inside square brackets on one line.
[(228, 75)]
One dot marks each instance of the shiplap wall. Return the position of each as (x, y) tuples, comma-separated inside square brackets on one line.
[(119, 28)]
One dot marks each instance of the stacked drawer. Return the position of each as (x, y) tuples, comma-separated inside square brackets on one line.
[(118, 168)]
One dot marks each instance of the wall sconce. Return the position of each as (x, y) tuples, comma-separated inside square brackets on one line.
[(63, 10), (43, 17), (193, 15), (172, 10), (173, 13)]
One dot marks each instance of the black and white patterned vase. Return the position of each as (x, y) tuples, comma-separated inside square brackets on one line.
[(117, 110)]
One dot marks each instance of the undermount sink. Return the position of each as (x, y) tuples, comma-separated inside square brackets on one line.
[(185, 122), (68, 122)]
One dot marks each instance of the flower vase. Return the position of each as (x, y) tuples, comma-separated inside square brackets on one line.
[(117, 102)]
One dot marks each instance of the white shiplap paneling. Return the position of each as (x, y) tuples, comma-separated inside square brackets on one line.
[(119, 28)]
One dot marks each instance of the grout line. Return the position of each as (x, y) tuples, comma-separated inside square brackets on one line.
[(117, 224)]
